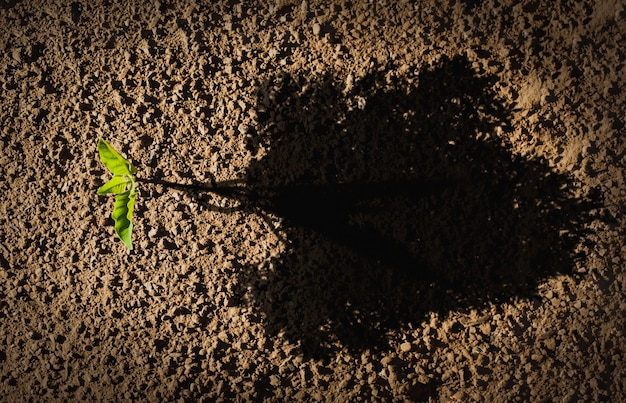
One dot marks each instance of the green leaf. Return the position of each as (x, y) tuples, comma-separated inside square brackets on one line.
[(123, 216), (123, 185), (117, 184), (113, 160)]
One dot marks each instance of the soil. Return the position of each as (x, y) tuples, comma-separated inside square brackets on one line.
[(338, 201)]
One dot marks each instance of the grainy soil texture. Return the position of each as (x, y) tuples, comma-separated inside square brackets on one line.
[(337, 201)]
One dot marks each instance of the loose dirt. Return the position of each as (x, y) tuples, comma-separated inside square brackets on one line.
[(338, 201)]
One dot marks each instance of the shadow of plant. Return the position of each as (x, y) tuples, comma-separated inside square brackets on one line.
[(398, 200)]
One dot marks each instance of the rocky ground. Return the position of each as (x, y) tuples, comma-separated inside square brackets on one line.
[(341, 201)]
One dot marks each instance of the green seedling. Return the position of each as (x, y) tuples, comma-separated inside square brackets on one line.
[(122, 184)]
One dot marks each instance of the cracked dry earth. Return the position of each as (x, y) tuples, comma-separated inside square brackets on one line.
[(338, 201)]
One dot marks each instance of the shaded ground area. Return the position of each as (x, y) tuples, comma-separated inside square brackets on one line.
[(401, 205)]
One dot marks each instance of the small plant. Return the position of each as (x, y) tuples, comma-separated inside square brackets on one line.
[(122, 184)]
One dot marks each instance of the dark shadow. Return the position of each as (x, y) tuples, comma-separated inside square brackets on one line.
[(398, 200)]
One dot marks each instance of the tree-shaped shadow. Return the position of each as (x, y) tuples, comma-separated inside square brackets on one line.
[(399, 199)]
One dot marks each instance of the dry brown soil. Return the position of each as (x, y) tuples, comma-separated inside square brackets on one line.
[(339, 201)]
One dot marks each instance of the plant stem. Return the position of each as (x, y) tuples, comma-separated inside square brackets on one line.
[(224, 188)]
